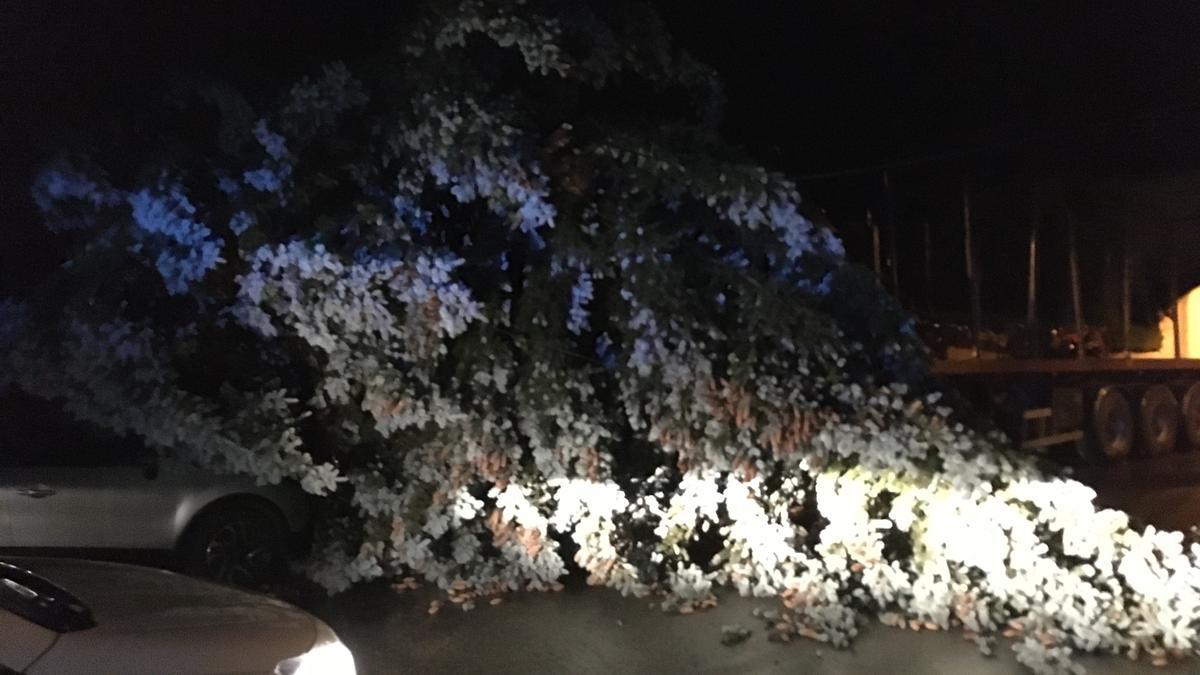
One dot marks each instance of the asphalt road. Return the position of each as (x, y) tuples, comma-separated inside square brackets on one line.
[(597, 631), (1163, 491)]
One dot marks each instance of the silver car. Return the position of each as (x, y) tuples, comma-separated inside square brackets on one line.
[(68, 485), (61, 617)]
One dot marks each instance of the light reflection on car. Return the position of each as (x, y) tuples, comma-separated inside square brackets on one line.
[(64, 616), (65, 484)]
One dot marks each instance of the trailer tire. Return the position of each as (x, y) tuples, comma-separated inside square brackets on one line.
[(1159, 420), (1190, 411), (1112, 423)]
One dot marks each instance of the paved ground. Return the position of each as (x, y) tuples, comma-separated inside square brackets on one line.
[(1163, 491), (597, 631)]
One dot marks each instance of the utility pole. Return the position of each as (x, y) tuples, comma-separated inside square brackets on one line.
[(928, 271), (1173, 289), (875, 247), (891, 227), (1076, 291), (972, 272), (1125, 304), (1031, 317)]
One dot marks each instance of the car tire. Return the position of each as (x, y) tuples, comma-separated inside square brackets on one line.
[(1112, 424), (240, 544), (1160, 420), (1190, 410)]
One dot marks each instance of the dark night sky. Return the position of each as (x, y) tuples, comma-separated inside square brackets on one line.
[(866, 83), (992, 89)]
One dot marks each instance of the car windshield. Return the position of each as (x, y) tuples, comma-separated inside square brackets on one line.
[(41, 601)]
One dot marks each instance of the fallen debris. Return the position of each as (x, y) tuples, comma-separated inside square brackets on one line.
[(734, 634)]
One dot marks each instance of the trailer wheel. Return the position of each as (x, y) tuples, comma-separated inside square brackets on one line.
[(1191, 416), (1159, 420), (1112, 423)]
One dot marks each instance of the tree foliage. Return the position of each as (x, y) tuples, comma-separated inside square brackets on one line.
[(509, 306)]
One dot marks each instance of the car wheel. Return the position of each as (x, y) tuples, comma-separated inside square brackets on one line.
[(1160, 420), (237, 544), (1190, 409), (1112, 422)]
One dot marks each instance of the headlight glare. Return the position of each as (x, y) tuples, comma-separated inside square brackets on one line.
[(326, 658)]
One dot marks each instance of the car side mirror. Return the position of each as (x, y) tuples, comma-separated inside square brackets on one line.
[(150, 466)]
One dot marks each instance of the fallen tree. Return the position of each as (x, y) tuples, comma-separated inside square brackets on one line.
[(507, 328)]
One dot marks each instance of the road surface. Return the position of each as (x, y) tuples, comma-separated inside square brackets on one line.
[(597, 631)]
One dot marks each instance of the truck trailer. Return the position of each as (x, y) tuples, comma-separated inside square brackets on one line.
[(1087, 406)]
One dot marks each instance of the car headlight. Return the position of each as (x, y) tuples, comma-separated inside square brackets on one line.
[(327, 657)]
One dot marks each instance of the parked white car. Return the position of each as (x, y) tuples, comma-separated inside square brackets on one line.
[(69, 485), (64, 616)]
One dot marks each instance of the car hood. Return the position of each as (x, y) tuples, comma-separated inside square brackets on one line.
[(127, 597), (197, 626)]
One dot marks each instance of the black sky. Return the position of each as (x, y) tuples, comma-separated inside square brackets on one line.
[(864, 82), (935, 91)]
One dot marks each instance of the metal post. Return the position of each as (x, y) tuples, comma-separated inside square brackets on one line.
[(1173, 288), (875, 246), (891, 227), (1076, 291), (1126, 320), (972, 272), (1031, 294), (1031, 318), (928, 271)]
